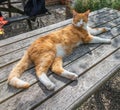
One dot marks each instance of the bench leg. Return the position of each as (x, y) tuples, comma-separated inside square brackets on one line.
[(9, 6)]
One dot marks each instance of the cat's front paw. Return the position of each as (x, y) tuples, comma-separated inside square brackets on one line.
[(108, 41), (69, 75), (73, 76), (106, 29)]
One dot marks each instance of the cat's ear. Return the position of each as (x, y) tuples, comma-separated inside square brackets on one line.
[(74, 13), (87, 13)]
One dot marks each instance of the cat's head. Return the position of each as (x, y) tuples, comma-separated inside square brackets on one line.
[(79, 19)]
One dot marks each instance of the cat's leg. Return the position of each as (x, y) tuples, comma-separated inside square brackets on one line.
[(96, 31), (58, 69), (43, 63), (95, 39), (17, 71)]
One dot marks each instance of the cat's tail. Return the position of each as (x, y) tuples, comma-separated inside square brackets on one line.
[(17, 71)]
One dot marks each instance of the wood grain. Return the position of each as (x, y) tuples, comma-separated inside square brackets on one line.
[(33, 33), (26, 42), (41, 30), (3, 59), (7, 68), (8, 49), (88, 82), (84, 64), (86, 61)]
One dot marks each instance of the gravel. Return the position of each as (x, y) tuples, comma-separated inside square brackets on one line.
[(16, 28)]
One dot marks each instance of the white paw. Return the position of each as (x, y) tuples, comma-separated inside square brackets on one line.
[(46, 82), (107, 28), (73, 76), (108, 41), (50, 86), (69, 75)]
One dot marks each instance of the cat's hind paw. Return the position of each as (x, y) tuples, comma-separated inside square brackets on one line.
[(69, 75), (74, 77), (50, 86), (46, 82)]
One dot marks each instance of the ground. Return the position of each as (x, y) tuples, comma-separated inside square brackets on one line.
[(16, 28), (107, 97)]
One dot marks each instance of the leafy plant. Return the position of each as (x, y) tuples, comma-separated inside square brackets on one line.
[(83, 5)]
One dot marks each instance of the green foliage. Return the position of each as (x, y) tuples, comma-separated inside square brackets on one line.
[(83, 5)]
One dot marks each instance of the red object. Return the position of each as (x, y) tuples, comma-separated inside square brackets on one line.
[(1, 18), (2, 22)]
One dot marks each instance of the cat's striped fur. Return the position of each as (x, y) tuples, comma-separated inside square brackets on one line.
[(47, 51)]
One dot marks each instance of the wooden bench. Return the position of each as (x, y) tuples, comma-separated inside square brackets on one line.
[(95, 64)]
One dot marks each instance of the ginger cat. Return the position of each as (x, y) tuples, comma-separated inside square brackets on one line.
[(48, 51)]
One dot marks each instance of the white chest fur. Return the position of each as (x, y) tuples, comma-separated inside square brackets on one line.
[(60, 50), (79, 43)]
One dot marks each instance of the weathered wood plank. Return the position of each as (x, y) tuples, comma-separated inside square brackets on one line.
[(101, 11), (26, 42), (42, 30), (41, 94), (27, 75), (5, 70), (9, 58), (33, 33), (21, 44), (3, 85), (103, 20), (112, 23), (3, 59), (90, 81), (75, 55), (101, 15), (16, 46)]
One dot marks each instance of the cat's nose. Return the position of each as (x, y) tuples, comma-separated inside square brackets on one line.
[(81, 21)]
